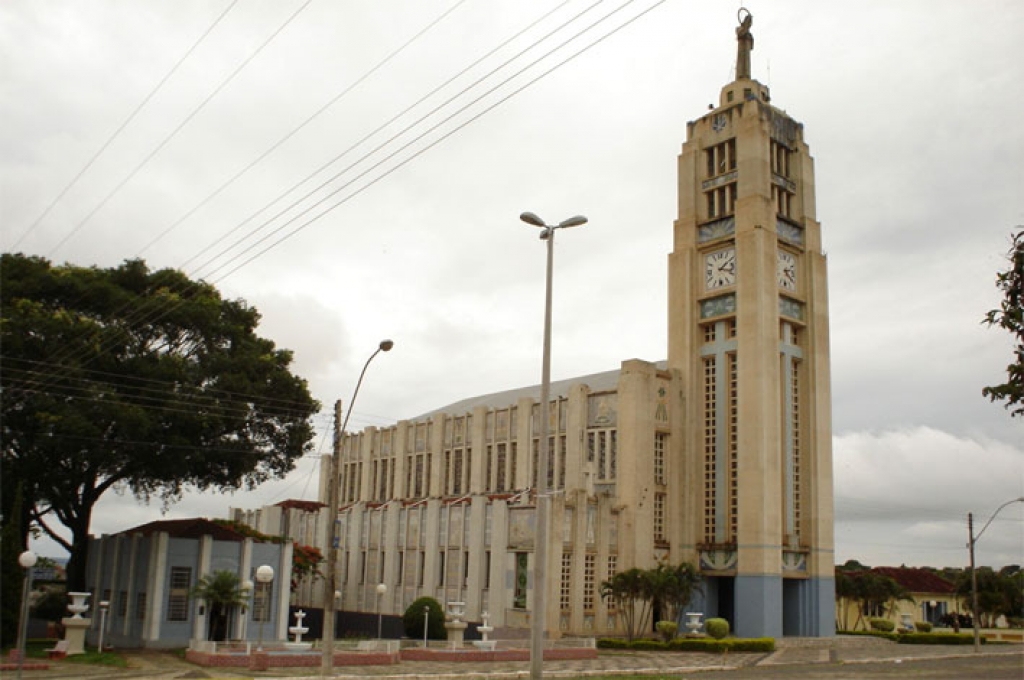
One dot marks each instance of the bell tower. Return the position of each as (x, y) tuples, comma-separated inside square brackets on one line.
[(748, 334)]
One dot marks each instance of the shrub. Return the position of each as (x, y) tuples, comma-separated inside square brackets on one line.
[(870, 633), (937, 639), (717, 628), (648, 645), (922, 626), (884, 625), (413, 619), (703, 644), (667, 629)]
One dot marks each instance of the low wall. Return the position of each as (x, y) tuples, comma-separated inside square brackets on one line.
[(275, 659), (465, 654)]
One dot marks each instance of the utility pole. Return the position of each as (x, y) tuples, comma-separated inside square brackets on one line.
[(331, 586)]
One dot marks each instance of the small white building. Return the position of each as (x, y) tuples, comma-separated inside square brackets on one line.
[(147, 574)]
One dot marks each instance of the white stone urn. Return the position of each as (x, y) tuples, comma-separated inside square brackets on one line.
[(693, 622), (78, 604)]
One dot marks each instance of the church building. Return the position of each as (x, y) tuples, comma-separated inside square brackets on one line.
[(720, 456)]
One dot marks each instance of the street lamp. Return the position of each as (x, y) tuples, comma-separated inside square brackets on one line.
[(974, 576), (104, 606), (264, 575), (327, 661), (27, 560), (543, 500), (381, 589)]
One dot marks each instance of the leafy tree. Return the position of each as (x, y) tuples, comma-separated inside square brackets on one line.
[(136, 380), (222, 592), (1010, 316)]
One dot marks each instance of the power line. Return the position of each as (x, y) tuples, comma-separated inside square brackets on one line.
[(273, 147), (177, 129), (167, 310), (123, 125)]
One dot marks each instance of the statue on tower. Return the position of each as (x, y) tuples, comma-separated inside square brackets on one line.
[(744, 43)]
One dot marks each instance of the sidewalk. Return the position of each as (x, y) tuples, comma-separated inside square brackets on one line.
[(152, 665)]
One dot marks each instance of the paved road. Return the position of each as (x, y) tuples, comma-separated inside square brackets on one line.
[(984, 667), (839, 659)]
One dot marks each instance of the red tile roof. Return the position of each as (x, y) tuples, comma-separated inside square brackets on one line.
[(917, 580), (307, 506), (188, 528)]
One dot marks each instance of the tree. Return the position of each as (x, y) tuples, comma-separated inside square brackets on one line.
[(12, 544), (630, 590), (1010, 316), (222, 592), (674, 588), (136, 380)]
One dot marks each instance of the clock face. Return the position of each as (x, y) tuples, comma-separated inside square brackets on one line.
[(785, 270), (720, 269)]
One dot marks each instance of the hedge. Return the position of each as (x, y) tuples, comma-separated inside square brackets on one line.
[(937, 639), (692, 645)]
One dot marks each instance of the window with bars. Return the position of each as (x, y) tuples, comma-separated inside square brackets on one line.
[(589, 580), (140, 606), (602, 448), (612, 569), (122, 603), (734, 495), (177, 593), (721, 201), (261, 601), (710, 436), (457, 468), (499, 484), (720, 158), (565, 591), (659, 518), (660, 446)]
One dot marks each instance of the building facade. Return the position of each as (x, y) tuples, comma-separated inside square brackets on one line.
[(720, 456), (147, 574)]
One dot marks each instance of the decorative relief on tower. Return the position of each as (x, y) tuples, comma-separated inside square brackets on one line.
[(717, 306), (661, 407), (791, 308), (794, 562), (718, 560), (789, 231), (602, 410), (717, 229), (520, 527)]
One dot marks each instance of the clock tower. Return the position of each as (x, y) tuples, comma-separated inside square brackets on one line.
[(748, 335)]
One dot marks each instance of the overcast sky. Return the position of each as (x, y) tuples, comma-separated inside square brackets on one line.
[(912, 113)]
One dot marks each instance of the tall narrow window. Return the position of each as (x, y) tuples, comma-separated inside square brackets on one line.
[(565, 591), (589, 580), (660, 441), (177, 593)]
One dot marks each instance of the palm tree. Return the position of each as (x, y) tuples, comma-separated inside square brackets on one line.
[(683, 581), (629, 588), (222, 592)]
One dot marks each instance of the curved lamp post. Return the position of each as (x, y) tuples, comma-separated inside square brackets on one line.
[(974, 576), (27, 560), (543, 500), (327, 660), (264, 575)]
